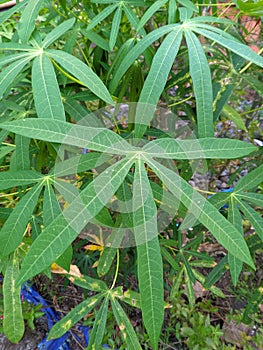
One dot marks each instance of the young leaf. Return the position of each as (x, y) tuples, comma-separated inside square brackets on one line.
[(202, 83), (82, 72), (46, 91), (224, 232), (64, 229), (150, 271), (127, 332), (13, 230), (26, 24), (58, 32), (13, 323), (156, 80), (74, 316)]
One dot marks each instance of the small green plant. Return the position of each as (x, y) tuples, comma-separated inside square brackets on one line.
[(87, 150)]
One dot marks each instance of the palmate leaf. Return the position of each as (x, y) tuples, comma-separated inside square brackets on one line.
[(26, 23), (156, 80), (13, 323), (82, 72), (224, 232), (13, 230), (127, 332), (97, 139), (74, 316), (64, 229), (202, 83), (198, 148), (46, 91), (150, 270)]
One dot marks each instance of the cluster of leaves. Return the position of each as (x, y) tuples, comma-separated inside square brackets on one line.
[(62, 61)]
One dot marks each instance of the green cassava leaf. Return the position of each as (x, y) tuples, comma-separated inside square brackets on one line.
[(198, 148), (202, 84), (57, 32), (89, 283), (8, 13), (254, 198), (150, 271), (188, 4), (251, 180), (156, 80), (74, 316), (115, 27), (26, 24), (136, 51), (101, 16), (231, 44), (127, 332), (9, 179), (231, 114), (46, 91), (235, 218), (9, 73), (224, 232), (64, 229), (105, 261), (13, 323), (14, 228), (82, 72), (253, 216), (22, 161), (51, 207), (149, 13), (97, 333), (98, 139)]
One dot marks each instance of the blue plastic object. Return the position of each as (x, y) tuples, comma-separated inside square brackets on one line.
[(30, 294)]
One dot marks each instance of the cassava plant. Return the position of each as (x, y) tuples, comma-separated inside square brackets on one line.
[(85, 149)]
